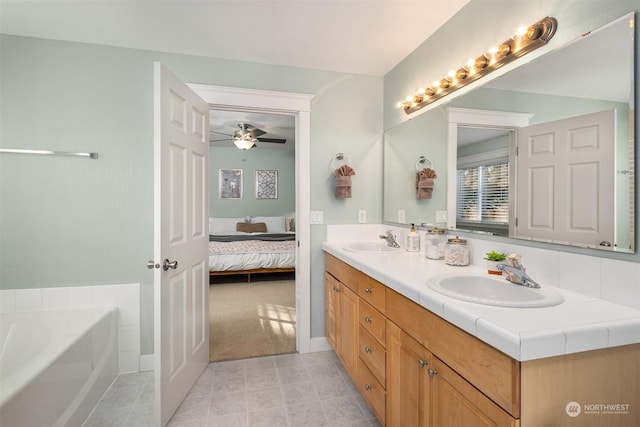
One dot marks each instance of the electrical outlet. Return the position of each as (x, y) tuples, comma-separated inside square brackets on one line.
[(401, 216), (441, 216), (362, 216)]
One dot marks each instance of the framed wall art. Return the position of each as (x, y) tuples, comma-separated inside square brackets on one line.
[(230, 183), (266, 185)]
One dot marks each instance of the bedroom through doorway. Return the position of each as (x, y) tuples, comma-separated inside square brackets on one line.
[(252, 248)]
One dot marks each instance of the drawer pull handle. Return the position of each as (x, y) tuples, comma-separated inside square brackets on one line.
[(368, 387), (367, 319), (432, 372), (368, 290), (367, 349), (422, 363)]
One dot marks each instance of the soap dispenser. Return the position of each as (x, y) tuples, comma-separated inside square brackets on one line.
[(413, 240)]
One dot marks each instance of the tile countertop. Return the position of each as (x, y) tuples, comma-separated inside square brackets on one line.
[(578, 324)]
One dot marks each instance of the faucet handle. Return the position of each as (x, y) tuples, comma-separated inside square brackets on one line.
[(514, 260)]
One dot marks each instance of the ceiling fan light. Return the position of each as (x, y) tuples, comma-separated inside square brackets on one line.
[(244, 142)]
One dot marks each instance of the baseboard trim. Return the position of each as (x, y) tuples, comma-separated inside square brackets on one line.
[(147, 362), (319, 344)]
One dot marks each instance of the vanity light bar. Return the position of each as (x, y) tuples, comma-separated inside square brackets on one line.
[(525, 41)]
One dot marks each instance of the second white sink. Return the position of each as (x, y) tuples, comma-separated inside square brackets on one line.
[(497, 291), (371, 247)]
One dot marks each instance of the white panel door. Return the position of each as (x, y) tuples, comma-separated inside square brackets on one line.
[(565, 180), (181, 233)]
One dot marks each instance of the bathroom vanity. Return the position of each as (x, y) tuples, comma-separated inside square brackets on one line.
[(420, 358)]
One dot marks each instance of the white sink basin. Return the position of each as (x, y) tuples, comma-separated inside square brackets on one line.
[(371, 247), (493, 290)]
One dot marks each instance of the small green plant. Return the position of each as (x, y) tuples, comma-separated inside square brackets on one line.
[(495, 256)]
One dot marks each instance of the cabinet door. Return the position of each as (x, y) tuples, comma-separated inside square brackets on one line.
[(331, 286), (408, 382), (347, 329), (455, 402)]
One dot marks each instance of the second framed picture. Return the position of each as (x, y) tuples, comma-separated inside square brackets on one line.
[(266, 184)]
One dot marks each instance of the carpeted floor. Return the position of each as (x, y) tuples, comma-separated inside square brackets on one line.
[(248, 320)]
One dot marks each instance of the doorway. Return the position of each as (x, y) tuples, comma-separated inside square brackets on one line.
[(298, 105), (252, 307)]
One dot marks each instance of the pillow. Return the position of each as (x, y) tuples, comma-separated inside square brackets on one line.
[(256, 227), (275, 224), (290, 223), (224, 225)]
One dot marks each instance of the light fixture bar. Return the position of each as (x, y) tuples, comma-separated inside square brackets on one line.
[(525, 41), (48, 152)]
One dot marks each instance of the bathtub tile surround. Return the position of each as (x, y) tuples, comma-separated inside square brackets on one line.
[(603, 278), (125, 297)]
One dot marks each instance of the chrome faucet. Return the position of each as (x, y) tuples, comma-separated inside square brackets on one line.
[(516, 272), (391, 240)]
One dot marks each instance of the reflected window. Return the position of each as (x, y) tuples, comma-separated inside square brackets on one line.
[(483, 196)]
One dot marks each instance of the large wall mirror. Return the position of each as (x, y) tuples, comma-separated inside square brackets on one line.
[(511, 156)]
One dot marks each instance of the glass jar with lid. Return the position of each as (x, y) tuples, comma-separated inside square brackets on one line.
[(435, 241), (456, 252)]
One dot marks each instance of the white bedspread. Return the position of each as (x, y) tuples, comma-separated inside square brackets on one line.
[(251, 255)]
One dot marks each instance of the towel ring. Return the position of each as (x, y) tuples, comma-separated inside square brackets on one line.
[(339, 160), (422, 163)]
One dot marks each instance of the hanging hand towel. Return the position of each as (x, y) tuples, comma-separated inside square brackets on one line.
[(342, 182), (424, 183)]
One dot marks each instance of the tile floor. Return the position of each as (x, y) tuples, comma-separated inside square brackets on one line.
[(293, 390)]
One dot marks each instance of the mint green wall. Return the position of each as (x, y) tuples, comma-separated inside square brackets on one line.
[(72, 221), (452, 44), (256, 159)]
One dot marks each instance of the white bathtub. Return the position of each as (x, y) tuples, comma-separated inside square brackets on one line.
[(55, 365)]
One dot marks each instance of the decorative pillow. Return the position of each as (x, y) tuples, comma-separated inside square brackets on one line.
[(290, 224), (224, 225), (275, 224), (256, 227)]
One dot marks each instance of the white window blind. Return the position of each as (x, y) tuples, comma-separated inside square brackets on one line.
[(483, 193)]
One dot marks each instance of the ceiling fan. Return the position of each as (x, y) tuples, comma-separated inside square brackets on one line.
[(246, 137)]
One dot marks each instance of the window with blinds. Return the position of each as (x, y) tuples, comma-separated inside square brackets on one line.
[(483, 194)]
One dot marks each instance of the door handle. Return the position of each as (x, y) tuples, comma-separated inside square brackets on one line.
[(166, 264)]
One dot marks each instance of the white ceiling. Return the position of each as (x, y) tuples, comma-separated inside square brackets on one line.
[(352, 36)]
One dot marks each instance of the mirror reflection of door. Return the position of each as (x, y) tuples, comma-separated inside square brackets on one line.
[(565, 180)]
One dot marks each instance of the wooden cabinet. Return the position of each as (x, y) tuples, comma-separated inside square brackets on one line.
[(416, 369), (491, 371), (408, 385), (455, 402), (331, 286), (341, 313)]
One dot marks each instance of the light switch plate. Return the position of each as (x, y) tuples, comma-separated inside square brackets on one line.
[(401, 216), (317, 217), (362, 216), (441, 216)]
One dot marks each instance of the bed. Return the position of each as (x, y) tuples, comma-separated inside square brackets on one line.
[(251, 245)]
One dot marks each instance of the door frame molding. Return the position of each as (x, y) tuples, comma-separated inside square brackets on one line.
[(298, 105)]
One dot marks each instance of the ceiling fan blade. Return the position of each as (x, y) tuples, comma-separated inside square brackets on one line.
[(220, 133), (273, 140)]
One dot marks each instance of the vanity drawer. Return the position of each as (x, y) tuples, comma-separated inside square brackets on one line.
[(372, 391), (372, 291), (373, 322), (373, 355), (342, 271)]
